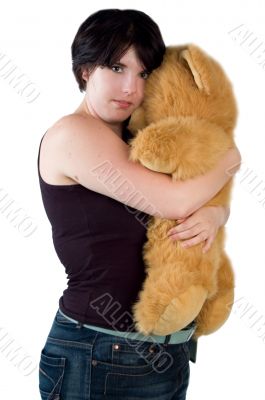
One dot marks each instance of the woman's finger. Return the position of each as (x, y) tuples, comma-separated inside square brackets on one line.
[(195, 240), (209, 242), (186, 234), (184, 227), (179, 220)]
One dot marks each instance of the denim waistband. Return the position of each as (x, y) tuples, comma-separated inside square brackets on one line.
[(178, 337)]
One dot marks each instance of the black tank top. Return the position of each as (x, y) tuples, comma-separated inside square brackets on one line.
[(99, 241)]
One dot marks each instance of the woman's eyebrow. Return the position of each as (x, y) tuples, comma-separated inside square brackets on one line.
[(121, 64)]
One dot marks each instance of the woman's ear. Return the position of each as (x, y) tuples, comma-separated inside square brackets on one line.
[(85, 73)]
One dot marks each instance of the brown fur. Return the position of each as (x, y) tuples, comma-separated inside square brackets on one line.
[(184, 126)]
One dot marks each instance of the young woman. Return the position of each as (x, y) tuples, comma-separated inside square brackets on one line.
[(97, 203)]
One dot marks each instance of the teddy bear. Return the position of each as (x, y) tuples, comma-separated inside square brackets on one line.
[(182, 128)]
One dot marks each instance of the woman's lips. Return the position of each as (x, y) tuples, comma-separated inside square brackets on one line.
[(122, 104)]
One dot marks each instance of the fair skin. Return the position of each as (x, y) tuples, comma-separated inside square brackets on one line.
[(80, 142), (201, 226)]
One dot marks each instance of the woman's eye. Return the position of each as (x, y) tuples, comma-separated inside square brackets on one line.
[(116, 67), (144, 75)]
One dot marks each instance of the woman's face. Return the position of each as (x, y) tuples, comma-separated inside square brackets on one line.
[(124, 81)]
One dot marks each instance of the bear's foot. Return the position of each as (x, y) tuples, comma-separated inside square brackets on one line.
[(181, 311), (214, 313)]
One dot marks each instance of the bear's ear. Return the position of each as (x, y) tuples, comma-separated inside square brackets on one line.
[(199, 65)]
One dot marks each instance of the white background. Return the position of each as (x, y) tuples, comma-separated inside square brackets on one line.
[(36, 37)]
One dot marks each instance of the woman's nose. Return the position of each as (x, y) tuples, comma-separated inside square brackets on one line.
[(129, 85)]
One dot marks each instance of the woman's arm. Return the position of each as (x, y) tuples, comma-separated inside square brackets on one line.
[(201, 189), (94, 156)]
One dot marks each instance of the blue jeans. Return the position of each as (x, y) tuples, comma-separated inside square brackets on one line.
[(77, 363)]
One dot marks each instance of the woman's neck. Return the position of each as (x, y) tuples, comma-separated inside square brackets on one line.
[(84, 110)]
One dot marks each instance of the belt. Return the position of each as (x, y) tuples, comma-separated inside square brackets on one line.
[(178, 337)]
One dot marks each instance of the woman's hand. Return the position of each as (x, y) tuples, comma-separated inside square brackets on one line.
[(200, 226)]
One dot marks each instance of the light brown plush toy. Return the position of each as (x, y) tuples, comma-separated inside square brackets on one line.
[(183, 127)]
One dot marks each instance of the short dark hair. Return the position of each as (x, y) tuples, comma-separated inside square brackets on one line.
[(105, 36)]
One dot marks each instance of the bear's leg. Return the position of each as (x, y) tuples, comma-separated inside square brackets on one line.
[(167, 305), (216, 310), (182, 310)]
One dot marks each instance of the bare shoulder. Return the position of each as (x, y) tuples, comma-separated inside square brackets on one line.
[(67, 124), (74, 126), (53, 144), (75, 141)]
